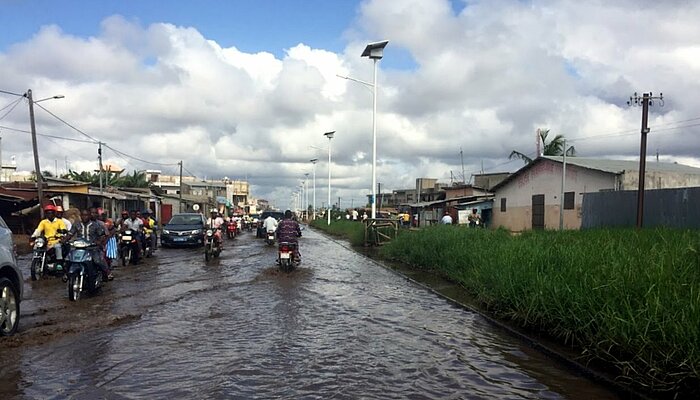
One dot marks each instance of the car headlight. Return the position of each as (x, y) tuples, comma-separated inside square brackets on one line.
[(166, 232), (196, 231)]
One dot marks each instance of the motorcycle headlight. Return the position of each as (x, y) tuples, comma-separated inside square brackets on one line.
[(39, 243), (196, 231), (210, 232), (166, 232)]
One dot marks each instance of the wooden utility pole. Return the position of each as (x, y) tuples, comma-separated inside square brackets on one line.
[(645, 101), (99, 158), (37, 168)]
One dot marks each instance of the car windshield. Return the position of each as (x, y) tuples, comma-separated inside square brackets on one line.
[(185, 220)]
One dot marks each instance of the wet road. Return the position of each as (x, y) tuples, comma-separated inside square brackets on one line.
[(339, 327)]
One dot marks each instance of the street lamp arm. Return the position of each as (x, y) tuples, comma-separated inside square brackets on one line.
[(60, 96), (355, 80)]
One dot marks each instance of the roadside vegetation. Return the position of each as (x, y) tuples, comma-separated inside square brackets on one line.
[(354, 231), (630, 298)]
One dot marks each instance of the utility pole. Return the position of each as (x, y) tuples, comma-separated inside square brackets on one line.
[(338, 202), (379, 199), (37, 169), (313, 161), (99, 157), (537, 142), (563, 183), (180, 191), (461, 156), (645, 101)]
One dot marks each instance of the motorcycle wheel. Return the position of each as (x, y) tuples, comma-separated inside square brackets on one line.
[(9, 308), (36, 269), (207, 255), (74, 288), (123, 260)]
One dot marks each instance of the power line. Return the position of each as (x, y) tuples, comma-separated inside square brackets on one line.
[(13, 106), (45, 135), (14, 94), (62, 120)]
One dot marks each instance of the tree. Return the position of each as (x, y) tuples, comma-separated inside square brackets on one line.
[(137, 179), (554, 148)]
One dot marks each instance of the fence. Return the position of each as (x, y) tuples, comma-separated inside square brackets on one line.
[(677, 208)]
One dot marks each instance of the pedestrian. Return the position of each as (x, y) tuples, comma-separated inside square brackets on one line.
[(446, 219)]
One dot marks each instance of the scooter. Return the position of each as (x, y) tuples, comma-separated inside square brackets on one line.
[(231, 230), (148, 245), (270, 238), (84, 275), (44, 260), (128, 247), (211, 247), (285, 256)]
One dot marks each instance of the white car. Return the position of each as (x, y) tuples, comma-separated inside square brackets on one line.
[(10, 283)]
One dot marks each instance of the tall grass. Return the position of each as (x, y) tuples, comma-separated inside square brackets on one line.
[(354, 231), (628, 297)]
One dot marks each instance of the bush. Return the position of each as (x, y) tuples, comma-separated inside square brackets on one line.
[(354, 231)]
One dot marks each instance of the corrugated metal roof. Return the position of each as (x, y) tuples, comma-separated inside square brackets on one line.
[(605, 165), (619, 166)]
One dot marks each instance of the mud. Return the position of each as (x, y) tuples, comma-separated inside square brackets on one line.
[(337, 327)]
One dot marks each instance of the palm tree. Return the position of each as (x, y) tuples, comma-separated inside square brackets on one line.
[(136, 180), (553, 148)]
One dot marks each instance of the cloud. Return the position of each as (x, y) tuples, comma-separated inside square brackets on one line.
[(485, 77)]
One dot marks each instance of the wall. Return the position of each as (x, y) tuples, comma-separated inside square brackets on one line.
[(659, 180), (545, 178), (663, 207)]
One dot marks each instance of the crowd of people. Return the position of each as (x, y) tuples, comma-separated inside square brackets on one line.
[(95, 226)]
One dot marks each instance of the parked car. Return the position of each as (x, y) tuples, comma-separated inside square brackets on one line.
[(278, 215), (186, 229), (10, 283)]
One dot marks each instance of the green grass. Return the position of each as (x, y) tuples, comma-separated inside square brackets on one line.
[(351, 230), (628, 297)]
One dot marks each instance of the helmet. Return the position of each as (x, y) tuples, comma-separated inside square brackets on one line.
[(50, 207), (59, 209), (213, 210)]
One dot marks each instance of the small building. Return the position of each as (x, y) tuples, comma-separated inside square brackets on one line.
[(530, 198)]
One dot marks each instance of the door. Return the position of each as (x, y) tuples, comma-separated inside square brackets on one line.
[(538, 211), (166, 212)]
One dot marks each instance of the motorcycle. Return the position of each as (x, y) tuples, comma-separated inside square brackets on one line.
[(285, 256), (231, 230), (44, 259), (84, 275), (270, 238), (148, 245), (211, 247), (128, 247)]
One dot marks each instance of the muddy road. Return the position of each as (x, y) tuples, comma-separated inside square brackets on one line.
[(338, 327)]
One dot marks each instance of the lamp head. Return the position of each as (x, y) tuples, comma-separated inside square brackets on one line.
[(313, 160), (329, 135), (375, 50)]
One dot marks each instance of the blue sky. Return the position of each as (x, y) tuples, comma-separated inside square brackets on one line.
[(251, 26)]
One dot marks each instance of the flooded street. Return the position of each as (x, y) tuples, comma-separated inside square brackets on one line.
[(338, 327)]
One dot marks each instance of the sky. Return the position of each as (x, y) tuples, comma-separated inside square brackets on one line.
[(246, 89)]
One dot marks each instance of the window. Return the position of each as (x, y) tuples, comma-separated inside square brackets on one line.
[(569, 200), (503, 204)]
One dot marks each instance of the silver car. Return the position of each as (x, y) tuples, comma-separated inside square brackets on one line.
[(10, 283)]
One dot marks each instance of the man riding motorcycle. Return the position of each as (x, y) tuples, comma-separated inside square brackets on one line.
[(91, 230), (215, 222), (288, 231), (135, 224), (52, 228), (149, 226), (59, 215)]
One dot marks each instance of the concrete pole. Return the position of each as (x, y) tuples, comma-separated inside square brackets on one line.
[(642, 160), (37, 168), (563, 184)]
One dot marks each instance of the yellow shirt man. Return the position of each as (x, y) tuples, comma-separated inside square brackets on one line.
[(49, 229)]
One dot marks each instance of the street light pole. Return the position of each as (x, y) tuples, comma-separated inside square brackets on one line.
[(375, 51), (329, 135), (313, 161)]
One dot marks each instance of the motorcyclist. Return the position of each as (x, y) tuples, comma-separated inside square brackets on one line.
[(288, 231), (135, 224), (215, 222), (52, 228), (270, 224), (149, 226), (91, 230), (120, 221)]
